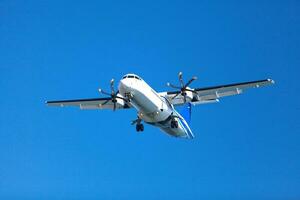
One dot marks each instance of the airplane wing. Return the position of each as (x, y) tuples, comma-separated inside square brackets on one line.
[(212, 94), (94, 103)]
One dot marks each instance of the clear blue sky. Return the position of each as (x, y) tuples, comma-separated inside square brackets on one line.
[(246, 147)]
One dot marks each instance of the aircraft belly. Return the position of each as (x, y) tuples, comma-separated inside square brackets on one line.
[(178, 132), (165, 126), (146, 104), (150, 105), (175, 132)]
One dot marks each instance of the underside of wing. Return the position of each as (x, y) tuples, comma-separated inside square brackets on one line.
[(212, 94), (93, 103), (216, 92)]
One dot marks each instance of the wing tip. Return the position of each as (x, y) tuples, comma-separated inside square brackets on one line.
[(52, 103), (271, 81)]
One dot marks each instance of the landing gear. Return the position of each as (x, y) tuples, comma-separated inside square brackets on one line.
[(128, 96), (174, 124), (139, 127)]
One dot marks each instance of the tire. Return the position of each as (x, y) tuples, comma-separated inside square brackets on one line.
[(176, 124), (137, 127), (172, 124), (142, 127)]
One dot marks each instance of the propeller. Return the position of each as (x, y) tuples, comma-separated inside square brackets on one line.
[(114, 95), (183, 87)]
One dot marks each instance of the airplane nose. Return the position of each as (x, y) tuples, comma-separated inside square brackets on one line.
[(125, 85)]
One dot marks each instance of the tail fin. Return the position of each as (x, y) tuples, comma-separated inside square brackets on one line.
[(186, 112)]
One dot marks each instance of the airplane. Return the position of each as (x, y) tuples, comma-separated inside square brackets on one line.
[(157, 108)]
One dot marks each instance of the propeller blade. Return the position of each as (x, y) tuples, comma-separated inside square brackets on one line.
[(173, 86), (176, 95), (180, 79), (115, 105), (103, 92), (112, 86), (180, 74), (190, 81), (105, 102)]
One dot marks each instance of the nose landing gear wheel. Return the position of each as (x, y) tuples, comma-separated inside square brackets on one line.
[(139, 127)]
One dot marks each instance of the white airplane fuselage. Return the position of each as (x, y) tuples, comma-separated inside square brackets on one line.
[(153, 108)]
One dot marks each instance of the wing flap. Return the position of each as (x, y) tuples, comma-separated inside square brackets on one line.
[(230, 89), (214, 94), (98, 106)]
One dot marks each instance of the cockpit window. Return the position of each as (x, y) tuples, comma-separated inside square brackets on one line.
[(131, 76)]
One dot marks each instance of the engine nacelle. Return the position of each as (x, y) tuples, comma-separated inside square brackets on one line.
[(189, 95), (120, 102)]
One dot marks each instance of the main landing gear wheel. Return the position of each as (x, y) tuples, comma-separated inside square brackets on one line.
[(174, 124), (139, 127)]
